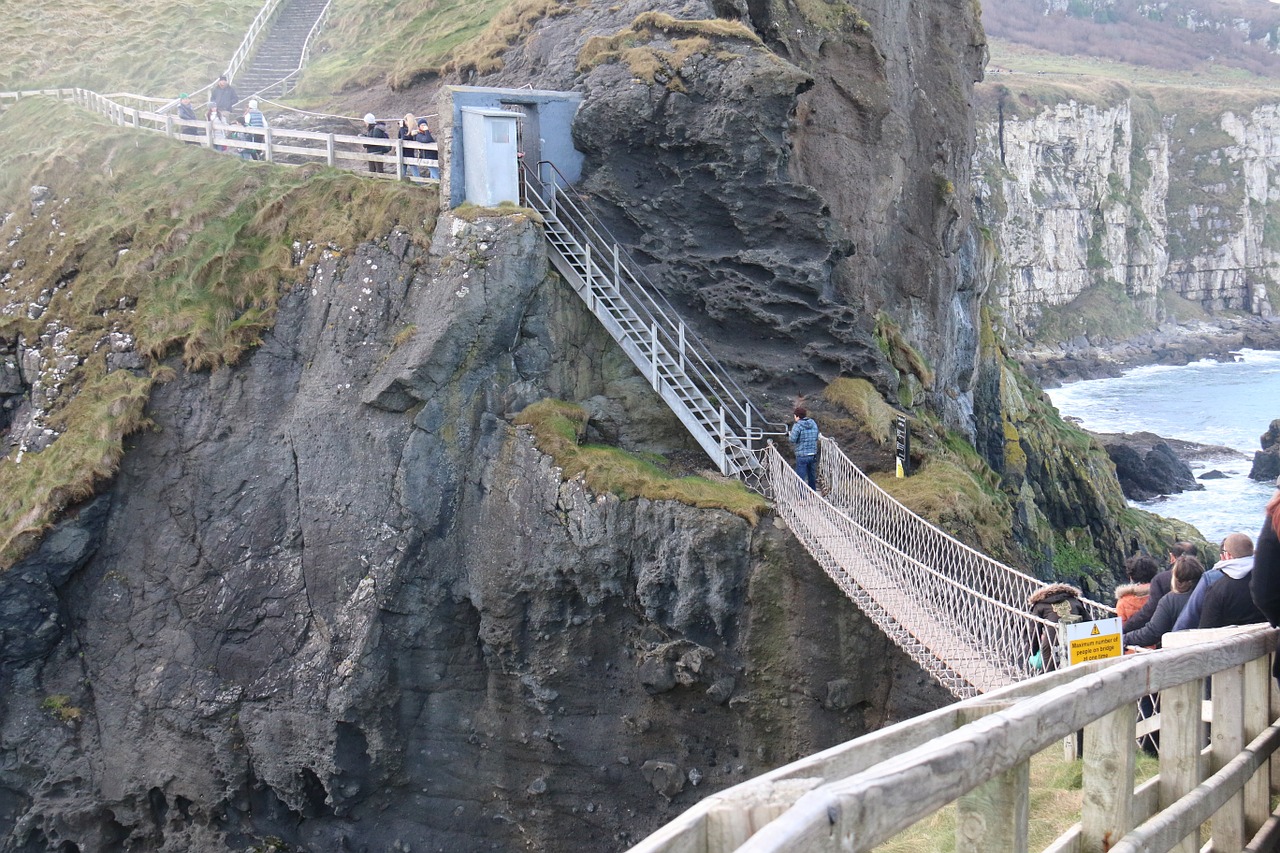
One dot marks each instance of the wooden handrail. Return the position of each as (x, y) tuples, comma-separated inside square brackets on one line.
[(862, 793), (278, 145)]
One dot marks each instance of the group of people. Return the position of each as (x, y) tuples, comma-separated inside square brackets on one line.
[(231, 126), (1185, 595), (1242, 587), (411, 129)]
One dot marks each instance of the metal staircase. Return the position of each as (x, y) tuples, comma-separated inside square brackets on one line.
[(282, 50), (680, 368)]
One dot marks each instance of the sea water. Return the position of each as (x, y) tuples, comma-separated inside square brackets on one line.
[(1228, 403)]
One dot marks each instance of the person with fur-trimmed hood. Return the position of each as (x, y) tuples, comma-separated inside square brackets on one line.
[(1059, 603)]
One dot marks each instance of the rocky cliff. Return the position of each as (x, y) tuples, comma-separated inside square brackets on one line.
[(1131, 206), (334, 600)]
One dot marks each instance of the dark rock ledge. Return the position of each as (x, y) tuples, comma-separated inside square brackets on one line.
[(1170, 343)]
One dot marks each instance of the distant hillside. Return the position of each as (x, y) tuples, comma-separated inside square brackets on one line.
[(1197, 36)]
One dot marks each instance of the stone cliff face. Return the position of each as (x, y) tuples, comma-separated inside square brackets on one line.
[(788, 181), (1131, 194), (334, 601)]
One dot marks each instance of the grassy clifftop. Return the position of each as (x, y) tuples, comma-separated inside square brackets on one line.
[(125, 255), (145, 46)]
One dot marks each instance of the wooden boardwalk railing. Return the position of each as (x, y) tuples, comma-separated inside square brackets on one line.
[(976, 754), (277, 145)]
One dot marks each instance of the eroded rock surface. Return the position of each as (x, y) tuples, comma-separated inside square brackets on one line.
[(335, 599)]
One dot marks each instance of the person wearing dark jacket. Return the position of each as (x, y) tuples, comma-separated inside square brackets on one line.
[(1058, 603), (1265, 577), (1186, 574), (1230, 602), (1160, 585), (375, 129), (223, 96), (1236, 562), (186, 112), (428, 157)]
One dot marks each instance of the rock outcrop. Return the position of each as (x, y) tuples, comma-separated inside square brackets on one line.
[(335, 599), (1147, 466), (1126, 200), (1266, 462)]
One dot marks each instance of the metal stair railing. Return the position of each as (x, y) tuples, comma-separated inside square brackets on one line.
[(250, 41), (714, 408)]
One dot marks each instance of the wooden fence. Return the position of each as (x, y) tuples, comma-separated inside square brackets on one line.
[(976, 753), (274, 145)]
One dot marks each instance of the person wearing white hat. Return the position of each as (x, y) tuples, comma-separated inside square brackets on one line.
[(375, 129), (253, 117)]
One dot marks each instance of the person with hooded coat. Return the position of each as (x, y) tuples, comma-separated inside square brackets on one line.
[(1236, 563), (1058, 603)]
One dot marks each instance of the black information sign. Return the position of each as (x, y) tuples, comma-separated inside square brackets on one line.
[(904, 447)]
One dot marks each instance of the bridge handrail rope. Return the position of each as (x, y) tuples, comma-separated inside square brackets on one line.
[(747, 422)]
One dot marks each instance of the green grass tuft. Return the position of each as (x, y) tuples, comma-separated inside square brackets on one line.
[(184, 250), (147, 47), (860, 398), (558, 427)]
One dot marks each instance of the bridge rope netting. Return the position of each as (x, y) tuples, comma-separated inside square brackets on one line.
[(961, 615)]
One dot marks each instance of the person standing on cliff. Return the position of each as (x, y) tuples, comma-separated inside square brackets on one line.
[(804, 435), (375, 129), (253, 117)]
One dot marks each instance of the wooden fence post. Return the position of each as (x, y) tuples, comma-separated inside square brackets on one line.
[(1181, 736), (1226, 742), (1109, 747), (330, 157), (1257, 694), (267, 137), (994, 816)]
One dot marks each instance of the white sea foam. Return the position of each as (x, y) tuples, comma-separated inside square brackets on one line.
[(1229, 403)]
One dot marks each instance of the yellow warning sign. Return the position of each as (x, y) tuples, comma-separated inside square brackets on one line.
[(1093, 640)]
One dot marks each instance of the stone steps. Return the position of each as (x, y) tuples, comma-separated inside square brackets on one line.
[(280, 52)]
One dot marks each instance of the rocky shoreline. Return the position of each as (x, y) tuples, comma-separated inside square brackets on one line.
[(1170, 343)]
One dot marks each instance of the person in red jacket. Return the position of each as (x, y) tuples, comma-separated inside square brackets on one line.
[(1130, 597)]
